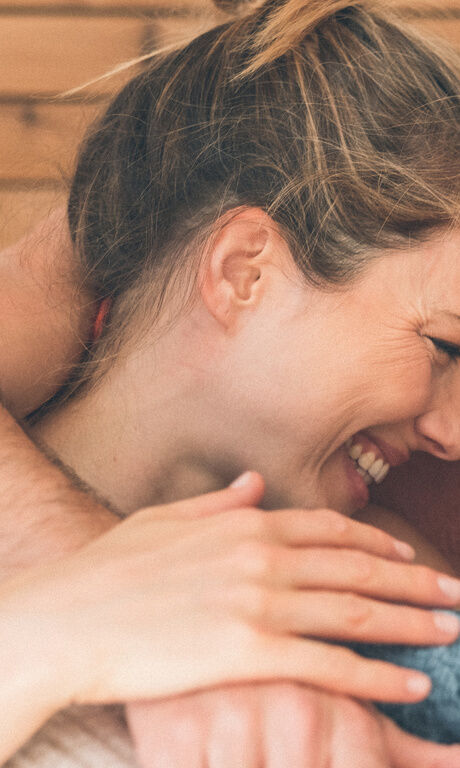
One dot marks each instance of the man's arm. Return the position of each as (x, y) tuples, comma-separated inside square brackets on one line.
[(45, 315), (44, 323), (44, 514)]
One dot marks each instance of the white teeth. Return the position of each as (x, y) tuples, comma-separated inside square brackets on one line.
[(366, 459), (355, 451), (366, 477), (383, 473), (376, 468), (370, 468)]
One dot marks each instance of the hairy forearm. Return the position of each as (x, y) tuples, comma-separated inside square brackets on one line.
[(45, 319), (43, 514)]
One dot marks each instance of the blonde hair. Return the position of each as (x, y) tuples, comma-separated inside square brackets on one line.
[(333, 116)]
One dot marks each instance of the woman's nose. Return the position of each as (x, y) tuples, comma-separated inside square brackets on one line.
[(438, 429)]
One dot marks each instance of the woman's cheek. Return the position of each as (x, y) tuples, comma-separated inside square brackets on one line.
[(405, 384)]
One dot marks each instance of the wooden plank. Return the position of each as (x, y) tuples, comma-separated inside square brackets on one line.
[(166, 7), (53, 54), (22, 209), (40, 142)]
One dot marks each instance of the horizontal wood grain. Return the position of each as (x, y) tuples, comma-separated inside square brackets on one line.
[(40, 142), (49, 46), (166, 7), (163, 7), (53, 54)]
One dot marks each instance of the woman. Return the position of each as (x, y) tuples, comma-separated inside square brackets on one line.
[(262, 159)]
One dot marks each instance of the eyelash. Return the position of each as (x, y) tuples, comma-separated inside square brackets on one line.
[(451, 350)]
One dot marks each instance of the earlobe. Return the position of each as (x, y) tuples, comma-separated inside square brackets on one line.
[(232, 275)]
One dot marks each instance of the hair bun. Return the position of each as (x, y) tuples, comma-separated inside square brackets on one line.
[(282, 24)]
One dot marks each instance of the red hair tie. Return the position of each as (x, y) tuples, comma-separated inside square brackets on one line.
[(99, 320)]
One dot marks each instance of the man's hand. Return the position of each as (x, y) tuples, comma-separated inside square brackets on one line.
[(278, 725)]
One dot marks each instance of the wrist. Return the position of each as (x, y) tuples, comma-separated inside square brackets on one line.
[(34, 678)]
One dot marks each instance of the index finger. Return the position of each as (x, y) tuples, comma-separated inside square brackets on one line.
[(326, 528), (248, 493)]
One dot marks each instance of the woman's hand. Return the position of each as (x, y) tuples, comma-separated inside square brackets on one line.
[(168, 602), (275, 725), (177, 598)]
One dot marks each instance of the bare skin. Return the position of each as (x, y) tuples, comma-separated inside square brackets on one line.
[(46, 316), (75, 508)]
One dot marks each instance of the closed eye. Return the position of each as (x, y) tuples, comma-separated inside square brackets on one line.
[(451, 350)]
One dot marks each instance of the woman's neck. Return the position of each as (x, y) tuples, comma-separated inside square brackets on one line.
[(145, 435)]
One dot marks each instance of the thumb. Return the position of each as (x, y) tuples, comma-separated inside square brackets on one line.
[(407, 751), (246, 491)]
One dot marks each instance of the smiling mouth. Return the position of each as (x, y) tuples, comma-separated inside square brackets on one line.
[(369, 464)]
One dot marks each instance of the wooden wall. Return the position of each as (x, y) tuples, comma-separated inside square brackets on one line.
[(49, 46)]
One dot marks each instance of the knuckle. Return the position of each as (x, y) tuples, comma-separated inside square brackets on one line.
[(353, 675), (186, 728), (356, 612), (234, 713), (359, 568), (425, 579), (254, 558), (384, 541), (292, 517), (297, 704), (365, 724), (251, 599), (255, 523), (335, 521)]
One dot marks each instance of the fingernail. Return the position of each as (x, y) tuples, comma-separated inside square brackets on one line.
[(419, 684), (241, 480), (447, 622), (404, 550), (450, 587)]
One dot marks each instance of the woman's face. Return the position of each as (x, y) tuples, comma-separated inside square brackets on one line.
[(368, 372)]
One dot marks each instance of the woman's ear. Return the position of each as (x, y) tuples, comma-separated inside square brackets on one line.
[(233, 277)]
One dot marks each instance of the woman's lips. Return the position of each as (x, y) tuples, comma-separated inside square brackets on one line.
[(390, 454), (358, 488), (368, 460)]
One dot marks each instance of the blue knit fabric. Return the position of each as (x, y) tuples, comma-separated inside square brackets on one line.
[(437, 718)]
